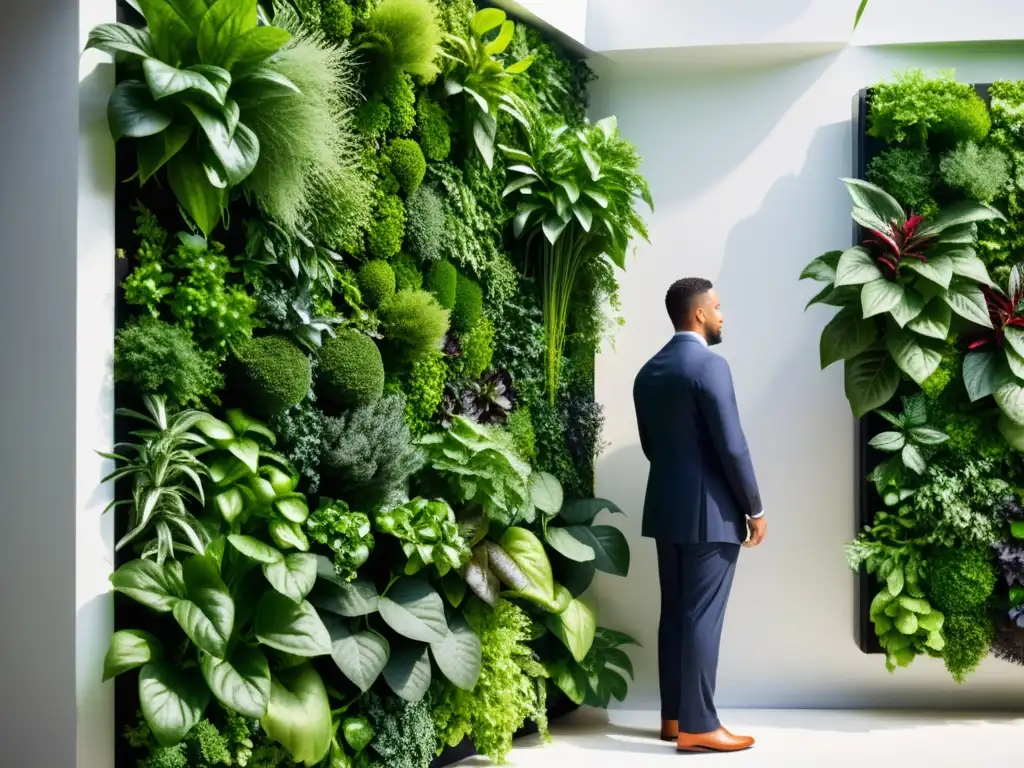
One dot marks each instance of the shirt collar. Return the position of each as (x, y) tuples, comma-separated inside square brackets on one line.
[(695, 335)]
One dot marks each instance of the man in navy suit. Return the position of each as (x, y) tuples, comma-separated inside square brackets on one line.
[(702, 505)]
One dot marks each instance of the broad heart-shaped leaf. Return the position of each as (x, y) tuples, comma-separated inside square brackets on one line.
[(888, 441), (527, 551), (236, 152), (290, 627), (414, 610), (913, 355), (255, 549), (846, 335), (870, 380), (938, 270), (875, 201), (967, 300), (299, 713), (583, 511), (225, 22), (154, 151), (967, 264), (158, 587), (164, 80), (294, 576), (459, 655), (957, 215), (172, 701), (408, 671), (546, 492), (1013, 433), (823, 268), (910, 307), (564, 543), (361, 656), (241, 684), (203, 202), (570, 678), (575, 627), (848, 295), (880, 296), (208, 613), (132, 112), (121, 38), (351, 599), (1015, 336), (1009, 396), (980, 374), (856, 267), (1014, 361), (130, 648), (933, 321), (611, 550), (287, 535), (253, 47)]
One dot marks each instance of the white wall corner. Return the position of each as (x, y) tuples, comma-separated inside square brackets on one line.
[(94, 606)]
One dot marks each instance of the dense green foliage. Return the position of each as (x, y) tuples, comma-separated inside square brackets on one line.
[(931, 332), (351, 553)]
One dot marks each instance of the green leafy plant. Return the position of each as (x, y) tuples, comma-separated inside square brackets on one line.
[(601, 676), (912, 444), (574, 193), (429, 535), (433, 129), (387, 228), (587, 548), (348, 534), (198, 70), (483, 79), (968, 641), (269, 245), (166, 479), (909, 175), (424, 390), (158, 358), (981, 172), (898, 292)]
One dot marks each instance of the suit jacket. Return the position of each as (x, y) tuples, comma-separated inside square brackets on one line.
[(701, 484)]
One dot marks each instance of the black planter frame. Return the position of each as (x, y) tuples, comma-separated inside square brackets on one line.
[(866, 458)]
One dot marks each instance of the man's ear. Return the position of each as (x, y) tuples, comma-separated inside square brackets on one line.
[(701, 317)]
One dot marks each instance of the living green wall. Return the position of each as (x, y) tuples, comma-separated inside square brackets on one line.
[(929, 331), (364, 250)]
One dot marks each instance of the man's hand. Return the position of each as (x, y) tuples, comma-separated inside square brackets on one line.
[(758, 528)]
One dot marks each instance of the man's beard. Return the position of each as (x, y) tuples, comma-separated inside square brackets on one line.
[(713, 337)]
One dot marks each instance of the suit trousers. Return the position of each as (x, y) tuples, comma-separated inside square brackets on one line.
[(696, 580)]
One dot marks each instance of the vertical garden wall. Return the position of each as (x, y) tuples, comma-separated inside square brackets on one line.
[(930, 331), (365, 251)]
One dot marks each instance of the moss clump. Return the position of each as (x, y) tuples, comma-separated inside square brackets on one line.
[(384, 236), (469, 303), (373, 119), (960, 580), (162, 359), (434, 133), (407, 163), (273, 374), (351, 371), (477, 350), (407, 275), (424, 224), (414, 325), (336, 20), (520, 427), (906, 174), (981, 172), (442, 280), (401, 100), (424, 392), (376, 283), (968, 640)]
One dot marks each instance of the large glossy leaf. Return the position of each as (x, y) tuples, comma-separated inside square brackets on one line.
[(570, 678), (910, 307), (1010, 398), (933, 321), (414, 610), (291, 627), (980, 374), (293, 576), (130, 649), (938, 270), (823, 268), (546, 492), (562, 541), (255, 549), (912, 354), (345, 598), (527, 551), (171, 700), (611, 550), (360, 655), (845, 336), (459, 655), (226, 21), (967, 264), (237, 153), (207, 615), (480, 579), (241, 684), (287, 535), (967, 300), (254, 47), (164, 81), (856, 267), (583, 511), (132, 112), (408, 671), (880, 296), (299, 714), (154, 151), (575, 627), (873, 207), (870, 380), (121, 38), (201, 200), (1012, 432), (158, 587), (956, 215)]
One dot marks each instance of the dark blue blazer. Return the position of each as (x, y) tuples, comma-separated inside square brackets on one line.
[(701, 484)]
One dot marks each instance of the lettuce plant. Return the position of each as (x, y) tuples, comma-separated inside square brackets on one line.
[(195, 69), (898, 291)]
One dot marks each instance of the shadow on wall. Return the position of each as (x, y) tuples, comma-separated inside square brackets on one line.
[(800, 432), (639, 101)]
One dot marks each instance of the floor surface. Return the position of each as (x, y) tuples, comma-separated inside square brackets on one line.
[(785, 739)]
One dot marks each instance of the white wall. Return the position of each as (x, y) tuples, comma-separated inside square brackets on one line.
[(56, 326), (744, 166)]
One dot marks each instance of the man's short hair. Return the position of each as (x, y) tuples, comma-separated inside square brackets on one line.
[(680, 301)]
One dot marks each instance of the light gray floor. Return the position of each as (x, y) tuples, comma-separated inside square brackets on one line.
[(787, 739)]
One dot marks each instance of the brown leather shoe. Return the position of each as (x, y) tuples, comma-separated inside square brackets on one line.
[(669, 730), (715, 741)]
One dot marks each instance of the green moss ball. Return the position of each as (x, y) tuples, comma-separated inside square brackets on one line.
[(469, 303), (376, 283), (272, 373), (351, 371), (442, 280)]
